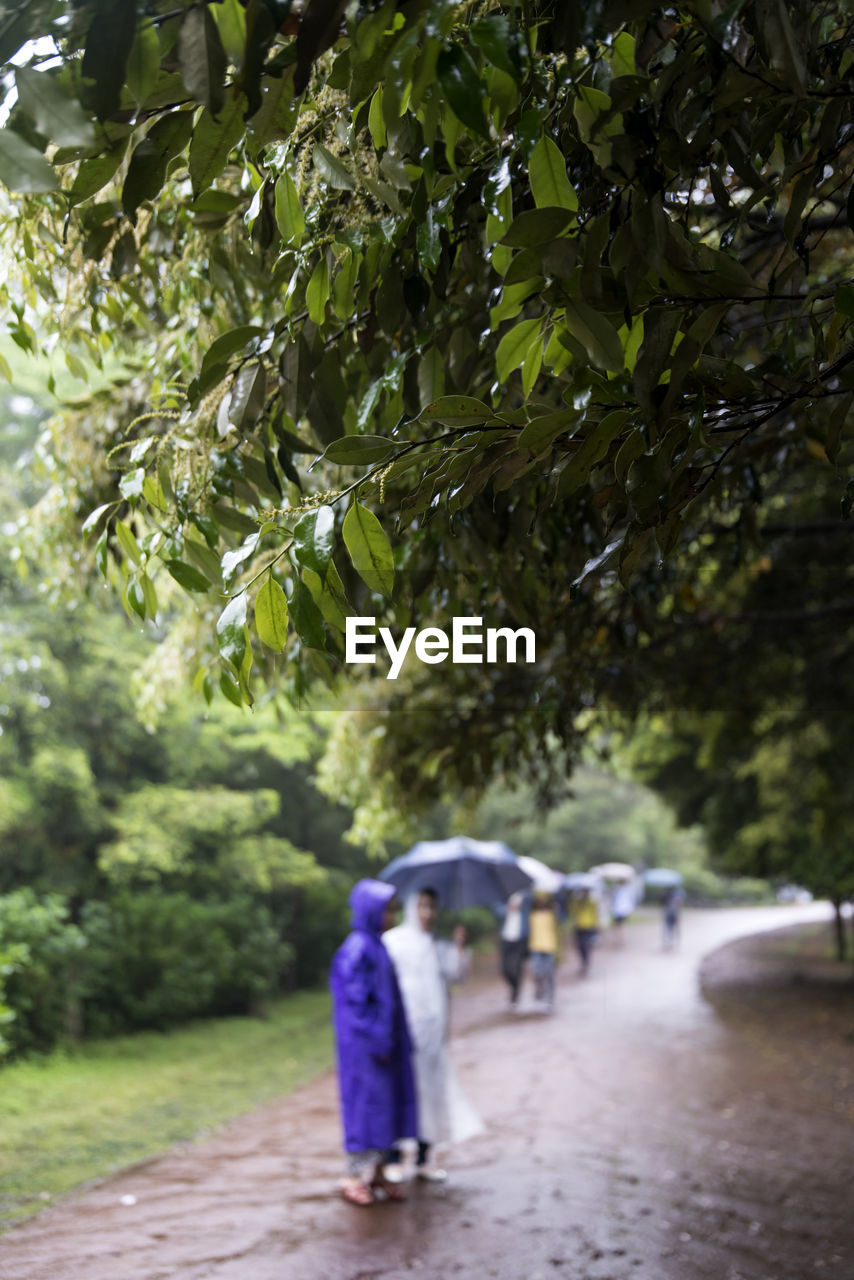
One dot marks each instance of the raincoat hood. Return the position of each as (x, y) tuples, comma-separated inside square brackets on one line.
[(368, 901)]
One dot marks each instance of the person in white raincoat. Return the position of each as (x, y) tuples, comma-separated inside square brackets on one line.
[(424, 967)]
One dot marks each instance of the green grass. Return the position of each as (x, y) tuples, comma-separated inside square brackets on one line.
[(79, 1115)]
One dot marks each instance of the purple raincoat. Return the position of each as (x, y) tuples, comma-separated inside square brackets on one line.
[(372, 1038)]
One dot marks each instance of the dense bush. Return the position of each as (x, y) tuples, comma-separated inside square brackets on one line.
[(40, 960), (315, 921), (154, 959)]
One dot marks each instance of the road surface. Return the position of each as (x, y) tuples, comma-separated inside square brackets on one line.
[(632, 1135)]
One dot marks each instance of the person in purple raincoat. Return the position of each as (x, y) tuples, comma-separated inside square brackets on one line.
[(373, 1046)]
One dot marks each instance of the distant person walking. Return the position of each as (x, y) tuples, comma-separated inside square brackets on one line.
[(623, 903), (514, 941), (584, 914), (424, 966), (673, 904), (373, 1046), (543, 948)]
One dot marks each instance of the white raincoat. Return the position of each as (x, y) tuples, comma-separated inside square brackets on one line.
[(424, 967)]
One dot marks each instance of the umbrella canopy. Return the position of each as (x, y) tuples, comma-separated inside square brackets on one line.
[(662, 878), (464, 872), (614, 871), (581, 880), (543, 877)]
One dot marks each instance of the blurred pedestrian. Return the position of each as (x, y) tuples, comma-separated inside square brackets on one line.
[(673, 902), (623, 903), (373, 1046), (514, 941), (425, 966), (543, 947), (585, 918)]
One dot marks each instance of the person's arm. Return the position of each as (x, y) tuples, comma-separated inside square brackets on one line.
[(454, 956), (369, 1015)]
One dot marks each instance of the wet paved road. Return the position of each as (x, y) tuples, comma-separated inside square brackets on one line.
[(630, 1136)]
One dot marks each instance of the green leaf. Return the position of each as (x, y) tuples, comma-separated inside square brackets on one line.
[(133, 597), (231, 689), (306, 616), (428, 241), (783, 46), (149, 595), (188, 577), (225, 346), (344, 285), (130, 485), (290, 218), (143, 67), (457, 411), (317, 292), (22, 168), (314, 535), (593, 450), (537, 226), (514, 346), (230, 518), (231, 631), (550, 186), (233, 559), (56, 115), (623, 55), (843, 300), (376, 121), (541, 431), (532, 364), (332, 170), (214, 140), (93, 175), (109, 41), (369, 549), (462, 87), (629, 451), (204, 559), (660, 326), (230, 17), (247, 397), (202, 58), (102, 552), (431, 376), (498, 43), (598, 337), (329, 596), (147, 169), (128, 542), (353, 451), (94, 516), (271, 615)]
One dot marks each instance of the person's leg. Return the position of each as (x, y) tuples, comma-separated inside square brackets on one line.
[(517, 957), (425, 1169), (549, 981), (361, 1170), (510, 968)]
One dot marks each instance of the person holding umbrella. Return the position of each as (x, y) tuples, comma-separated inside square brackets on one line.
[(424, 967), (373, 1046)]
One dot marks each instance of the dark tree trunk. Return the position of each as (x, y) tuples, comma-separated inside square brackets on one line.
[(839, 929)]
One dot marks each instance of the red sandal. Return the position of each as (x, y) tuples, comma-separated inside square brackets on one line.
[(357, 1193)]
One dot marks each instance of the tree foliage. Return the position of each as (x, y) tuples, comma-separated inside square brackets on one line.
[(431, 308)]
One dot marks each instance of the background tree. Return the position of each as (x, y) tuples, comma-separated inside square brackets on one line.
[(557, 298)]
